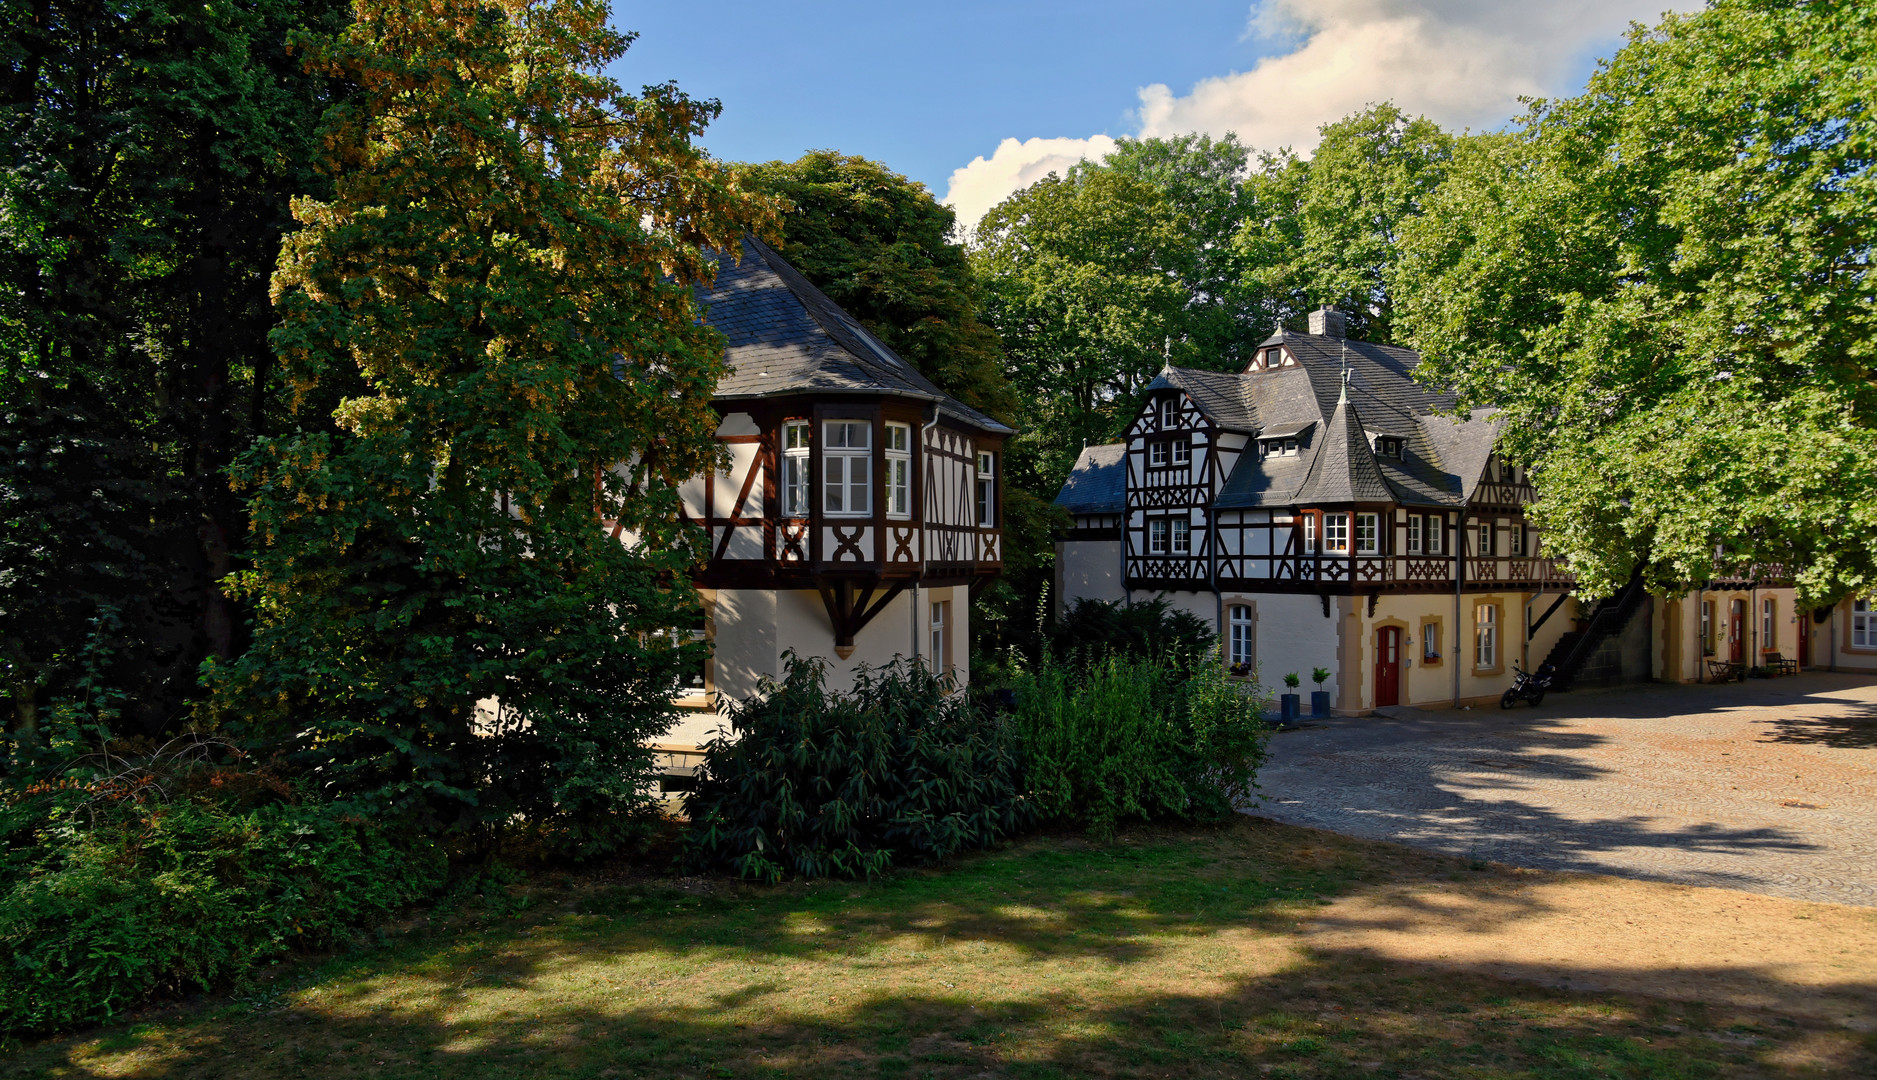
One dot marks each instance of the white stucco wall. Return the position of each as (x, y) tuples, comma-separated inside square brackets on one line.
[(1087, 568)]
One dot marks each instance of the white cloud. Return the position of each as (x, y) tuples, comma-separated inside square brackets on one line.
[(1463, 63), (986, 182)]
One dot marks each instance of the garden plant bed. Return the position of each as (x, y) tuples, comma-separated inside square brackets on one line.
[(1252, 949)]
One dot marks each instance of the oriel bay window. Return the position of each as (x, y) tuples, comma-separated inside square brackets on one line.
[(898, 470), (1414, 534), (847, 463), (1368, 534), (1436, 527), (1485, 538), (1336, 533), (795, 468)]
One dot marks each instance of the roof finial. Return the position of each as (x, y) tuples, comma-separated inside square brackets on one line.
[(1344, 400)]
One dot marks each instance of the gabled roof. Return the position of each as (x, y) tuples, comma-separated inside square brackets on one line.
[(787, 337), (1098, 483), (1220, 395)]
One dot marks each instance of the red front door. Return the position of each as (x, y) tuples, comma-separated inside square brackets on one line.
[(1388, 666), (1737, 629), (1804, 623)]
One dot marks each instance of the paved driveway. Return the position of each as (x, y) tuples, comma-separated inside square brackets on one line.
[(1769, 786)]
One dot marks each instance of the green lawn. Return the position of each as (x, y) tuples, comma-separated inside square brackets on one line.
[(1165, 952)]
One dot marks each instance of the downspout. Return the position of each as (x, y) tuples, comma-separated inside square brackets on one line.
[(925, 433), (1459, 577)]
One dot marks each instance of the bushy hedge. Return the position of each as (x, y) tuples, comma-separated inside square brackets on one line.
[(1118, 737), (901, 771), (105, 902), (1144, 629)]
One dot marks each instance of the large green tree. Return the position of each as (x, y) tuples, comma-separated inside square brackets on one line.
[(507, 263), (152, 147), (1664, 285), (1325, 229), (881, 247)]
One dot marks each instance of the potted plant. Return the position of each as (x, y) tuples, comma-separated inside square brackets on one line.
[(1290, 705), (1319, 698)]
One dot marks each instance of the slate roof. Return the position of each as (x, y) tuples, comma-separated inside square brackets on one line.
[(787, 337), (1098, 483), (1443, 458)]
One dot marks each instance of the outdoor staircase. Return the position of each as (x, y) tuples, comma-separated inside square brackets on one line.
[(1607, 620)]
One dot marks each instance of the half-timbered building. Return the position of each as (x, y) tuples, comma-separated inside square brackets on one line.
[(1320, 511), (861, 506)]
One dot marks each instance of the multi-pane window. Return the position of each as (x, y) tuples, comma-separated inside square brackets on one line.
[(1241, 636), (1169, 413), (1156, 453), (1368, 534), (1485, 538), (987, 489), (1485, 635), (1182, 452), (795, 468), (1515, 540), (1863, 625), (1157, 536), (847, 462), (1436, 527), (1336, 532), (941, 655), (898, 470), (1430, 642), (1768, 634), (1388, 447), (1278, 447), (1309, 534), (1182, 536), (1414, 534), (1707, 628)]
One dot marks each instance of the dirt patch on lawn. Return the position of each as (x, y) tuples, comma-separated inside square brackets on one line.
[(1593, 933)]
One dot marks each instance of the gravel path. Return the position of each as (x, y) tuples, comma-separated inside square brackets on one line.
[(1767, 786)]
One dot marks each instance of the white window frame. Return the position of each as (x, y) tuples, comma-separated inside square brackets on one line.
[(1515, 540), (898, 470), (1368, 534), (1483, 541), (1436, 528), (1157, 453), (847, 469), (1336, 534), (1707, 628), (1414, 534), (1182, 532), (1769, 630), (1863, 625), (986, 490), (1485, 635), (1169, 413), (1241, 635), (1182, 452), (797, 450), (1157, 530), (1309, 534), (941, 653)]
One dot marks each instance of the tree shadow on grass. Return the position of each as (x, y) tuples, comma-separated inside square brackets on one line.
[(1163, 952)]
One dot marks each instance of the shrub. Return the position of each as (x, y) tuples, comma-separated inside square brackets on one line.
[(1123, 737), (1142, 629), (901, 771), (105, 903)]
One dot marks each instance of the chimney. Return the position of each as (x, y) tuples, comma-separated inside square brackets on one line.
[(1326, 321)]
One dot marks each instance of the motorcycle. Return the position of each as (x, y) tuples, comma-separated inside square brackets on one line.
[(1528, 685)]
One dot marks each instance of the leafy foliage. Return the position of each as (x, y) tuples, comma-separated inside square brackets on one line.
[(1143, 629), (152, 148), (809, 782), (117, 884), (506, 266), (1121, 737), (1664, 286)]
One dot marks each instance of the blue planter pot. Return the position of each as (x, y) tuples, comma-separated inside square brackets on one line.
[(1319, 703), (1290, 707)]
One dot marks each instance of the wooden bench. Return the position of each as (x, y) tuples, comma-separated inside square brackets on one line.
[(1776, 664)]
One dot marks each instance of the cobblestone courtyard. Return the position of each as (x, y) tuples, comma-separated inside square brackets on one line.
[(1769, 786)]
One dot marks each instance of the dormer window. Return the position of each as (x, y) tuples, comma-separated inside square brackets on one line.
[(1388, 446), (1278, 447)]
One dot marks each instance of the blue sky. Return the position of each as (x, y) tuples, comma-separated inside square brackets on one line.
[(975, 99)]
